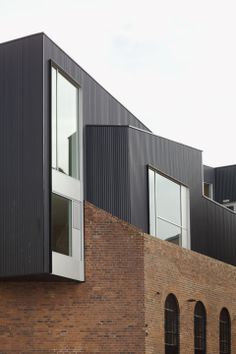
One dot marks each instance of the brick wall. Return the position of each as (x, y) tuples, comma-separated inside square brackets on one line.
[(103, 315), (120, 307), (188, 275)]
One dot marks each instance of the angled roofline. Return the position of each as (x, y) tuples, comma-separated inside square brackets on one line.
[(142, 131)]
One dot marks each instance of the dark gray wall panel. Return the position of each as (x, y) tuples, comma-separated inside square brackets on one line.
[(108, 184), (225, 183), (21, 157), (99, 107), (209, 174), (218, 225), (176, 160)]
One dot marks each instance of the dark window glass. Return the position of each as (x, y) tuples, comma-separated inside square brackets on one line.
[(199, 329), (61, 225), (225, 335), (171, 325)]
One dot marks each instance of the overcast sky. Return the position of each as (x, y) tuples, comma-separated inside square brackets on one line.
[(172, 63)]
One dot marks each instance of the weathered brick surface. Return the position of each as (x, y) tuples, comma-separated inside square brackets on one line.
[(188, 275), (120, 307), (103, 315)]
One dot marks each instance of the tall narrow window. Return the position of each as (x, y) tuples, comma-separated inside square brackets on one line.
[(199, 329), (171, 325), (65, 154), (168, 209), (67, 187), (225, 332)]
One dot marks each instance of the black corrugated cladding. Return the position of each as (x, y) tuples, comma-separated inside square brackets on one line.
[(99, 107), (25, 115), (212, 226), (209, 174), (225, 183), (21, 158), (108, 183), (176, 160)]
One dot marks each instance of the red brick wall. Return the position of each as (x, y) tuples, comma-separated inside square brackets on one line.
[(188, 275), (103, 315), (120, 307)]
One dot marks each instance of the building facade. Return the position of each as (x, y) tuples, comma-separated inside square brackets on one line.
[(65, 140)]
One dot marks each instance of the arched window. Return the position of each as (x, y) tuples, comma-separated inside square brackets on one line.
[(171, 325), (225, 329), (199, 329)]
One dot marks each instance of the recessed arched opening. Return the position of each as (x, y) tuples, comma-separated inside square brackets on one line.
[(171, 325)]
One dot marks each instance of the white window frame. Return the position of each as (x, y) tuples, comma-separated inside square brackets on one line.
[(231, 204), (184, 242), (71, 188), (210, 190)]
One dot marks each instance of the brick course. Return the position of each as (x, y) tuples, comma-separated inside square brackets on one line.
[(119, 309)]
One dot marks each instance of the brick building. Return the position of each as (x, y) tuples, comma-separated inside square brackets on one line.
[(120, 308), (84, 185)]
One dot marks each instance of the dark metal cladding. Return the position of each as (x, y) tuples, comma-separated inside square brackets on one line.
[(217, 224), (209, 174), (108, 183), (174, 159), (117, 149), (21, 158), (99, 107), (126, 194), (225, 183)]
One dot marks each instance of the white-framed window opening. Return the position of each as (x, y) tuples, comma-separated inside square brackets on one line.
[(67, 186), (169, 217), (208, 190)]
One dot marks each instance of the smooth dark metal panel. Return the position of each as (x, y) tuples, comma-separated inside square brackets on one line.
[(225, 183), (107, 169), (21, 157)]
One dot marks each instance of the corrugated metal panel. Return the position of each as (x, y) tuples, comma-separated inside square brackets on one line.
[(225, 183), (209, 174), (218, 226), (99, 107), (212, 226), (108, 170), (179, 161), (21, 157)]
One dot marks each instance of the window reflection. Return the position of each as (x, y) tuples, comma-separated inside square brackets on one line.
[(61, 225), (168, 209), (65, 157), (168, 199)]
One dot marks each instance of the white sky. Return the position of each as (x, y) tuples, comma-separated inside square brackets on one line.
[(172, 63)]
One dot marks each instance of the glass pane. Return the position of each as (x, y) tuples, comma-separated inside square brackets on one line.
[(61, 225), (152, 215), (67, 154), (168, 199), (167, 231), (54, 115)]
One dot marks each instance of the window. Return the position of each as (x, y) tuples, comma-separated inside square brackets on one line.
[(65, 157), (61, 225), (208, 190), (67, 188), (171, 325), (168, 209), (225, 332), (199, 329)]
